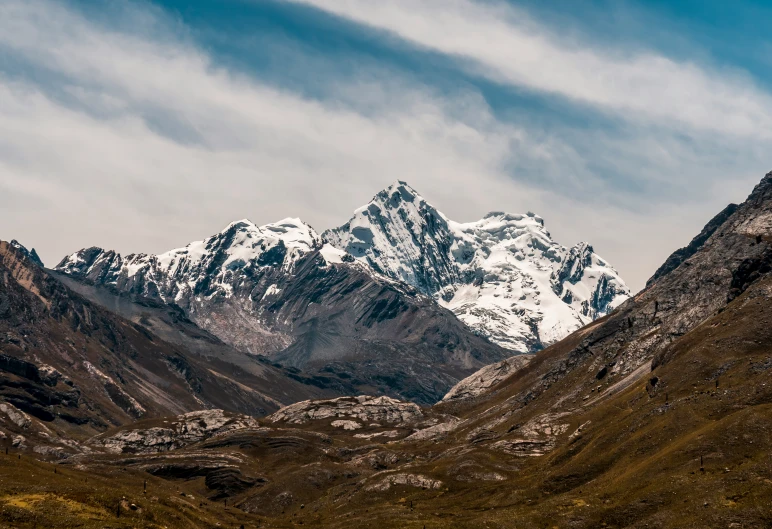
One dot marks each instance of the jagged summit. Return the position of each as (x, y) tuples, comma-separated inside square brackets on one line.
[(31, 254), (503, 275), (203, 267), (399, 234)]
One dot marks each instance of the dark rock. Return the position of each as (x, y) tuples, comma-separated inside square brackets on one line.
[(227, 482)]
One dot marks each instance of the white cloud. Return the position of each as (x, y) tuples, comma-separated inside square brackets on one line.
[(87, 139), (505, 45), (138, 141)]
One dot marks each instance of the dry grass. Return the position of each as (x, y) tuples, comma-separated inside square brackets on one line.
[(636, 462)]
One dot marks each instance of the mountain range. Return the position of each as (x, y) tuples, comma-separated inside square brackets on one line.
[(655, 415), (399, 300)]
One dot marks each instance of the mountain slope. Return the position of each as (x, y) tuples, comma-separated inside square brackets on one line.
[(657, 415), (279, 291), (503, 275), (72, 366), (710, 298), (680, 255)]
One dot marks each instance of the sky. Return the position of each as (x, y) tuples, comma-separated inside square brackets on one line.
[(140, 126)]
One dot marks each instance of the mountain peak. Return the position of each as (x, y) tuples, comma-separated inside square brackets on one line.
[(403, 186), (239, 224), (291, 231), (31, 254), (503, 275), (400, 192)]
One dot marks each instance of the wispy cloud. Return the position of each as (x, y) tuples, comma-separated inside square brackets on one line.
[(132, 126), (503, 43), (123, 131)]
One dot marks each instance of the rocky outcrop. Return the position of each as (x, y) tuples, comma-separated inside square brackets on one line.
[(346, 425), (369, 410), (32, 255), (409, 480), (436, 431), (486, 378), (175, 433), (16, 416)]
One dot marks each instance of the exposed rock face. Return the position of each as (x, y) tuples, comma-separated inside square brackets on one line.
[(410, 480), (305, 307), (18, 417), (436, 431), (737, 253), (503, 276), (489, 376), (346, 425), (402, 236), (184, 430), (226, 482), (682, 254), (32, 255), (381, 410), (535, 438)]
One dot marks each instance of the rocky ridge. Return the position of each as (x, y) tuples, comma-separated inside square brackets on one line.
[(175, 433), (486, 378)]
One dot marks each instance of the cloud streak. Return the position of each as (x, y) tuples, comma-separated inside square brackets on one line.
[(124, 132), (135, 130), (503, 44)]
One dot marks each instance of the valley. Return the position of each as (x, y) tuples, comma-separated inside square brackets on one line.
[(654, 415)]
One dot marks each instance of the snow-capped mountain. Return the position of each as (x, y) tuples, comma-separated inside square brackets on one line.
[(212, 280), (279, 290), (205, 268), (368, 300), (503, 275)]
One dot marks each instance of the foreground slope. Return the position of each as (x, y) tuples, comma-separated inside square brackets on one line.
[(681, 453)]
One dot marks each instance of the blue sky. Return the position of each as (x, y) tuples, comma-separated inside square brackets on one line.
[(141, 126)]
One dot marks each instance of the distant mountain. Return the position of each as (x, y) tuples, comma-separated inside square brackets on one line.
[(279, 290), (231, 265), (503, 275)]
